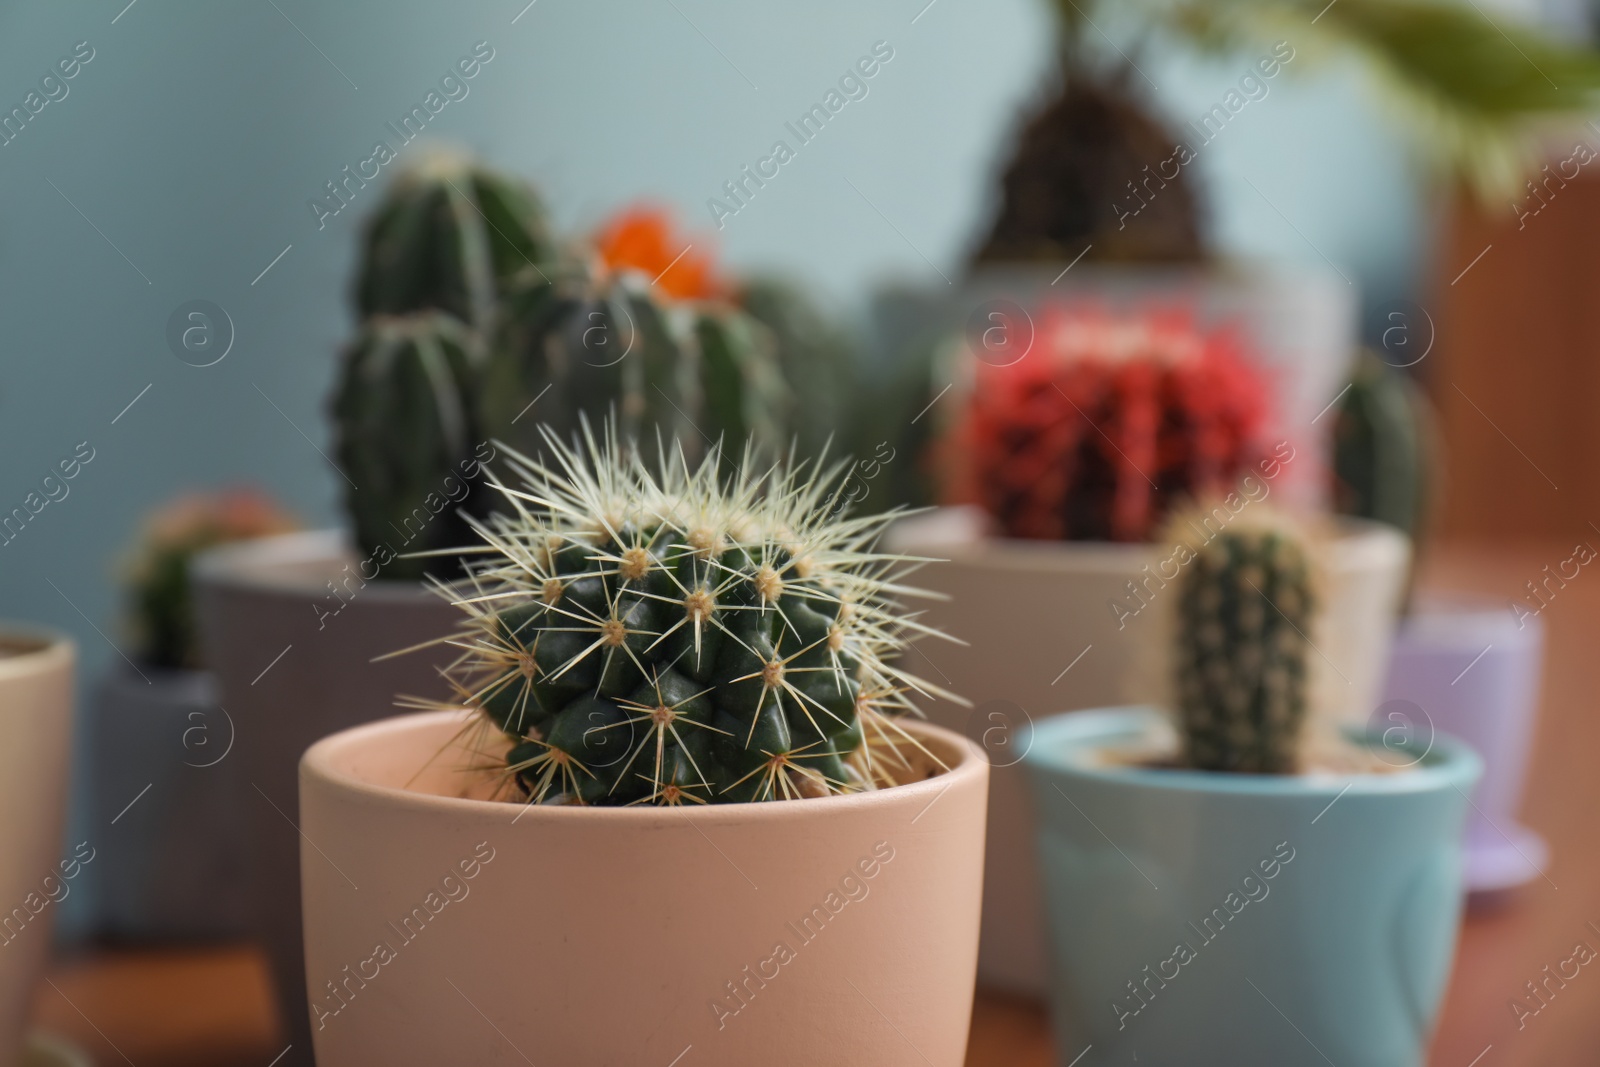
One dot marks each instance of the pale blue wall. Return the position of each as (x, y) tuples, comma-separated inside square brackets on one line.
[(196, 135)]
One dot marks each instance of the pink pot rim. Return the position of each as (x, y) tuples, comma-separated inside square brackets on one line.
[(325, 762)]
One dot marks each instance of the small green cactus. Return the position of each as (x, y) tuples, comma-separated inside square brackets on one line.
[(1245, 603), (1382, 447), (671, 635), (406, 434)]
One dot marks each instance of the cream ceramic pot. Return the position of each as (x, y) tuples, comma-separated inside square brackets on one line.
[(443, 928), (1042, 638), (35, 739)]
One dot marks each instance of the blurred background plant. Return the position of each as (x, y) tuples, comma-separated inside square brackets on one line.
[(1471, 94), (160, 606)]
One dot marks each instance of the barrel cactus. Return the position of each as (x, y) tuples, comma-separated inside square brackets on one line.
[(664, 634), (453, 236), (1108, 422), (1382, 447), (1244, 609), (646, 334), (406, 435)]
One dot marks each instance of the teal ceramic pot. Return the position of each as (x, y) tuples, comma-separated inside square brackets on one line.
[(1203, 918)]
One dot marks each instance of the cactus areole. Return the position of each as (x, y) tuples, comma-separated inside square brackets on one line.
[(674, 634), (1108, 422)]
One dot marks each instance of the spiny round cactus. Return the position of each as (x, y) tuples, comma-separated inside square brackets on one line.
[(406, 434), (1245, 604), (673, 634), (453, 236), (645, 334), (1107, 422)]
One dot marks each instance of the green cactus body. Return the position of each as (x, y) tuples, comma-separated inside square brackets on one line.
[(455, 237), (606, 348), (1244, 608), (1381, 449), (407, 433), (665, 635)]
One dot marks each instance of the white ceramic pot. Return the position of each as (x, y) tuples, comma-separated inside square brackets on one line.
[(293, 657), (1470, 668), (175, 868), (35, 741), (1042, 639), (441, 928)]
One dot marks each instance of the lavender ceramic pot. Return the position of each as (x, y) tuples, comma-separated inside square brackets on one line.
[(1470, 668)]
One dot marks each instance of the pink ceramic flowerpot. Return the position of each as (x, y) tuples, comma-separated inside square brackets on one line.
[(35, 739), (442, 928), (1469, 668)]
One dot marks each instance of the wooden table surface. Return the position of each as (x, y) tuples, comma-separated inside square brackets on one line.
[(212, 1007)]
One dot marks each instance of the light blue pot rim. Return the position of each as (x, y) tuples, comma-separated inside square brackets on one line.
[(1059, 742)]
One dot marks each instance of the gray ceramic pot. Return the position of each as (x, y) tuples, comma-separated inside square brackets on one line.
[(1198, 917), (175, 867), (291, 633)]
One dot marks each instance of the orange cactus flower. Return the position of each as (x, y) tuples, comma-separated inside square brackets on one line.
[(641, 238)]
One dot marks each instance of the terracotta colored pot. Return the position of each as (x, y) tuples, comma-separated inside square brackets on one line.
[(35, 740), (441, 928), (293, 658), (1042, 639)]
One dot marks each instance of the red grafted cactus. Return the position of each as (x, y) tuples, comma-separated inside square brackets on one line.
[(1109, 421)]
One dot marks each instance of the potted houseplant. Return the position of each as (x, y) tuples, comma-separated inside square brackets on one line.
[(1261, 886), (670, 777), (1075, 453), (1459, 663), (175, 867), (1096, 185), (475, 324), (36, 695)]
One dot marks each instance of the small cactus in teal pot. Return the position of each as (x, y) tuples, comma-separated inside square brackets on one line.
[(666, 634), (1246, 599)]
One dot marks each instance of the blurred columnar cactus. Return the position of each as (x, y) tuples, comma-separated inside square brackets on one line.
[(1245, 604), (406, 433), (648, 334), (476, 328), (1381, 447), (661, 634), (456, 237), (1107, 423)]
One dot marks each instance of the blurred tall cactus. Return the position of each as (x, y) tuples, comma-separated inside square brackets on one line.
[(646, 333), (452, 236), (1382, 448), (478, 327), (406, 409), (1245, 604)]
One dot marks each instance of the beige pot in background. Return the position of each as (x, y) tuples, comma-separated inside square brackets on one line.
[(441, 928), (1042, 639), (35, 741)]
